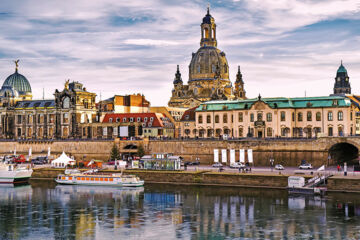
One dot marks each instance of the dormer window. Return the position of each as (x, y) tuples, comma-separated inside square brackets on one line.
[(145, 119), (151, 119), (335, 102), (131, 119), (110, 119), (117, 119), (139, 119), (124, 119)]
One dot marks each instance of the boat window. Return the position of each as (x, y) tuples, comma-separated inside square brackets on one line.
[(92, 179), (63, 178), (111, 179), (70, 178), (106, 179), (87, 179), (96, 179), (83, 178)]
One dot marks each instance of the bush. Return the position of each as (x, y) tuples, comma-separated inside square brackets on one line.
[(115, 153)]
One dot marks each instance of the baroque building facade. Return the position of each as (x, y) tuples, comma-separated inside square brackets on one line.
[(335, 115), (58, 118), (208, 73)]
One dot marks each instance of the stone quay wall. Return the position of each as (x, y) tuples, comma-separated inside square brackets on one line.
[(289, 152), (335, 183)]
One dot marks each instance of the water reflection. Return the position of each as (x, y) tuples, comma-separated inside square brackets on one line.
[(46, 210)]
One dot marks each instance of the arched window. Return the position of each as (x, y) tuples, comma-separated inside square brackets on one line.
[(213, 68), (340, 116), (318, 116), (299, 117), (208, 119), (241, 131), (309, 116), (225, 118), (269, 132), (200, 119), (216, 118), (269, 117), (330, 116)]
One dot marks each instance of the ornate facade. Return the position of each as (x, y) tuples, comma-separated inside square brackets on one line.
[(208, 73), (24, 118)]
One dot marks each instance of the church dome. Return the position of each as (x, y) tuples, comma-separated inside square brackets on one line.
[(208, 63), (18, 82)]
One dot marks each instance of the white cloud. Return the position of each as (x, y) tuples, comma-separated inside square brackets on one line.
[(122, 47)]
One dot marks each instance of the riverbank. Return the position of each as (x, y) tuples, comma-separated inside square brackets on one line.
[(208, 178)]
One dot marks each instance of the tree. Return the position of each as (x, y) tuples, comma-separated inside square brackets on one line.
[(141, 150), (114, 154)]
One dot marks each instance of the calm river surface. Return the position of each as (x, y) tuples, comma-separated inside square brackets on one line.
[(44, 210)]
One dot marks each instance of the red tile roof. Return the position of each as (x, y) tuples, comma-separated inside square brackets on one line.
[(157, 122), (190, 113)]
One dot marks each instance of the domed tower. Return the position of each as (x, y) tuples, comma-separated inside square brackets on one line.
[(208, 72), (239, 86), (342, 84), (15, 88)]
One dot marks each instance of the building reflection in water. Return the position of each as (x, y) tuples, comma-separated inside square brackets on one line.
[(168, 212)]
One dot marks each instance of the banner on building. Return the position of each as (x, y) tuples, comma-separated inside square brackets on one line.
[(250, 156), (216, 155), (123, 131), (223, 155), (242, 155), (232, 155)]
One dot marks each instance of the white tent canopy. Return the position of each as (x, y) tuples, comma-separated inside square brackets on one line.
[(62, 161)]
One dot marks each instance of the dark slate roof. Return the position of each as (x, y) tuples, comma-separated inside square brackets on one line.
[(35, 104)]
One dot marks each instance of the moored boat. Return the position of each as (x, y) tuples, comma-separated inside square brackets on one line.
[(11, 173), (99, 179)]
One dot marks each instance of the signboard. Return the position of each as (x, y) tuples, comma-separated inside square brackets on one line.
[(232, 155), (250, 156), (216, 155), (223, 155), (123, 131), (135, 164), (242, 155)]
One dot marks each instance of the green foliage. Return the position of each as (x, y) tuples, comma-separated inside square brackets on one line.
[(141, 150), (115, 153)]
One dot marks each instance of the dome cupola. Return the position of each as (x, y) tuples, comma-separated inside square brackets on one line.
[(18, 82)]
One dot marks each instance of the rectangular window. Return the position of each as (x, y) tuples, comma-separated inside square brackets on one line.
[(309, 116), (282, 116), (330, 131), (330, 116), (293, 117), (269, 117), (18, 119), (251, 117), (241, 132), (241, 117), (300, 117)]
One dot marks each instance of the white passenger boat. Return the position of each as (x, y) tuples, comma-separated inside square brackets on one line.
[(10, 173), (99, 179)]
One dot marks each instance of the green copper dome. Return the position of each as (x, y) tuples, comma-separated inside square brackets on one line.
[(18, 82), (342, 69)]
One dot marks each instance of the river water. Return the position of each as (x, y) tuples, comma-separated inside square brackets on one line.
[(44, 210)]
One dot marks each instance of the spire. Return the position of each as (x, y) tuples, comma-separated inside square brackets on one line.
[(239, 76), (177, 78), (208, 9)]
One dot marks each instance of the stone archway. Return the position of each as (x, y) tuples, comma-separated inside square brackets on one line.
[(344, 152), (130, 146)]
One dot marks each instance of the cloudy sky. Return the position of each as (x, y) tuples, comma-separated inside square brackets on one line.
[(284, 47)]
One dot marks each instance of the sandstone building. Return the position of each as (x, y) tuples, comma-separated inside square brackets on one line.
[(208, 73)]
